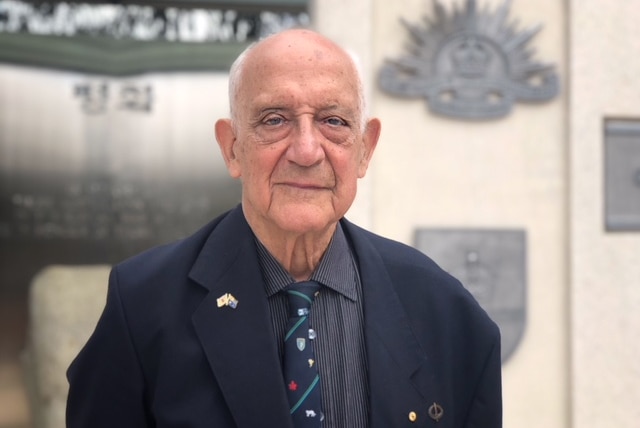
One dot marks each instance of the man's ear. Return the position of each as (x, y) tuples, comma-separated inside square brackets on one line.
[(226, 138), (370, 141)]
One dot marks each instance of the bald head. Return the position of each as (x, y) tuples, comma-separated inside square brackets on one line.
[(292, 49)]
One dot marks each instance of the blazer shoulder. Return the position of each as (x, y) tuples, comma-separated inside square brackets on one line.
[(420, 283), (400, 260)]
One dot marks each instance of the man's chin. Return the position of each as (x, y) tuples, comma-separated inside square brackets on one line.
[(305, 219)]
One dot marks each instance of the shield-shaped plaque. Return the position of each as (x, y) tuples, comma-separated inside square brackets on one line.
[(491, 264)]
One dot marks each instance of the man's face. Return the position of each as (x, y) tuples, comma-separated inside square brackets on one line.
[(299, 147)]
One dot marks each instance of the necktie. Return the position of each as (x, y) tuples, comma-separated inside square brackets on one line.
[(300, 370)]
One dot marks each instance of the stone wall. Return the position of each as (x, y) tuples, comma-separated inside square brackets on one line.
[(605, 268)]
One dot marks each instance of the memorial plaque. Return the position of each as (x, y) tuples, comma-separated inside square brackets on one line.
[(622, 175), (491, 264)]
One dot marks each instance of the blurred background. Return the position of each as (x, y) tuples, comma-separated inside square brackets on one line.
[(510, 153)]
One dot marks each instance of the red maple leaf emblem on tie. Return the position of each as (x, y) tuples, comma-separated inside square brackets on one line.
[(293, 385)]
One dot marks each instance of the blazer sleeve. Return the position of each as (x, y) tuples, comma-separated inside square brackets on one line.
[(106, 385), (486, 407)]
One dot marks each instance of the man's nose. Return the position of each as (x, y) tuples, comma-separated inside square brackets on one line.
[(306, 148)]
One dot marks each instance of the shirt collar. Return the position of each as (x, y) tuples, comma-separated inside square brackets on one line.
[(336, 270)]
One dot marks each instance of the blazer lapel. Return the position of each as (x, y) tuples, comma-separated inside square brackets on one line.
[(238, 342), (401, 377)]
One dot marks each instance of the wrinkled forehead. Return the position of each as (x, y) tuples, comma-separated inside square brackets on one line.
[(299, 64)]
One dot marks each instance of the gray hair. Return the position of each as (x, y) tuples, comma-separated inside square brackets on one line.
[(235, 75), (237, 69)]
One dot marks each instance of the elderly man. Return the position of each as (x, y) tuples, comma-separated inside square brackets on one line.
[(198, 333)]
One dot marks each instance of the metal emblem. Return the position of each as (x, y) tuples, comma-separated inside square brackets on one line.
[(436, 412), (491, 264), (301, 343), (470, 64)]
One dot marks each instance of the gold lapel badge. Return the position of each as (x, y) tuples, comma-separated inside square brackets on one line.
[(436, 411), (227, 300)]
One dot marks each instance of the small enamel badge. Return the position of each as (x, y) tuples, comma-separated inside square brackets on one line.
[(227, 300)]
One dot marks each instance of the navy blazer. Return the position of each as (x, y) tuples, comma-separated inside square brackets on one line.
[(165, 355)]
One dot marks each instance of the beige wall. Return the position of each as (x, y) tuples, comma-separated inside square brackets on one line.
[(506, 173), (605, 267)]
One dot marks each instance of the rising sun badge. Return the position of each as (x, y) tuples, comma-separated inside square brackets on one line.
[(470, 64)]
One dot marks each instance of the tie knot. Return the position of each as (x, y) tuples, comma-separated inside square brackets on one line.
[(301, 295)]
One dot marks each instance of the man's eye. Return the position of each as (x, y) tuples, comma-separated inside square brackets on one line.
[(272, 121), (335, 121)]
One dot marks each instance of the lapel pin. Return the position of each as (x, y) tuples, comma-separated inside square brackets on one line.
[(436, 411), (227, 300), (413, 416)]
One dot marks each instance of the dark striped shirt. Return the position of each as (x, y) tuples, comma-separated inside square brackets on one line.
[(337, 317)]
